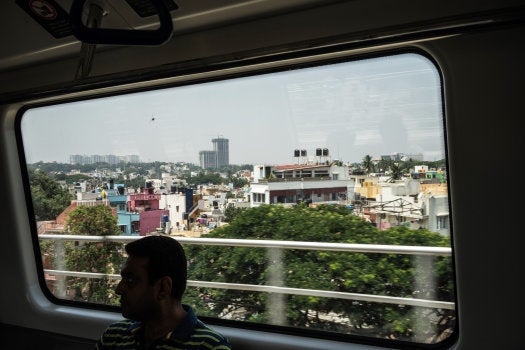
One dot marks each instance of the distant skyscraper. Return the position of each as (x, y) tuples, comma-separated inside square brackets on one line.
[(221, 147), (133, 158), (111, 159), (76, 159), (219, 157), (97, 158), (208, 159)]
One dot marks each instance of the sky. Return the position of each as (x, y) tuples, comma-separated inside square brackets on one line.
[(373, 107)]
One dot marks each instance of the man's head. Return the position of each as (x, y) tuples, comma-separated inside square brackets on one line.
[(155, 271)]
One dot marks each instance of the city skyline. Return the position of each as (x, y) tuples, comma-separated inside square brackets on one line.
[(370, 107), (300, 155), (108, 158)]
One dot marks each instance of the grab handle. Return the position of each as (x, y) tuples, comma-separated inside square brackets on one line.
[(121, 36)]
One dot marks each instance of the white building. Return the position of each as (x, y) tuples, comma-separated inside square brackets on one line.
[(175, 203), (290, 184)]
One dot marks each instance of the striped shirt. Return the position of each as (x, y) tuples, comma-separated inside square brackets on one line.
[(191, 334)]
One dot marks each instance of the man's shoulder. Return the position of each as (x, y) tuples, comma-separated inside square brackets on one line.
[(122, 326), (117, 333), (210, 336)]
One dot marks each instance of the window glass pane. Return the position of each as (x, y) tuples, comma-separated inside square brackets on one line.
[(350, 178)]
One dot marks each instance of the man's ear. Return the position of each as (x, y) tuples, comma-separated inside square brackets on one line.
[(165, 287)]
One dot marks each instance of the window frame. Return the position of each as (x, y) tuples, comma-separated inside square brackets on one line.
[(193, 77)]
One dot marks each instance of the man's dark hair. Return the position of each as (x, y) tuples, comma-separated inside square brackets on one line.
[(166, 257)]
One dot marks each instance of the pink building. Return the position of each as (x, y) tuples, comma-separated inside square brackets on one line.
[(146, 204)]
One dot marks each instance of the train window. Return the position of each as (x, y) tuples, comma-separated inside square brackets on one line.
[(310, 198)]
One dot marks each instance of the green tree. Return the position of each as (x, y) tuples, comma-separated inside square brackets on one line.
[(70, 179), (49, 199), (383, 165), (396, 172), (205, 177), (231, 213), (378, 274), (98, 257), (368, 164), (136, 182), (238, 182)]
